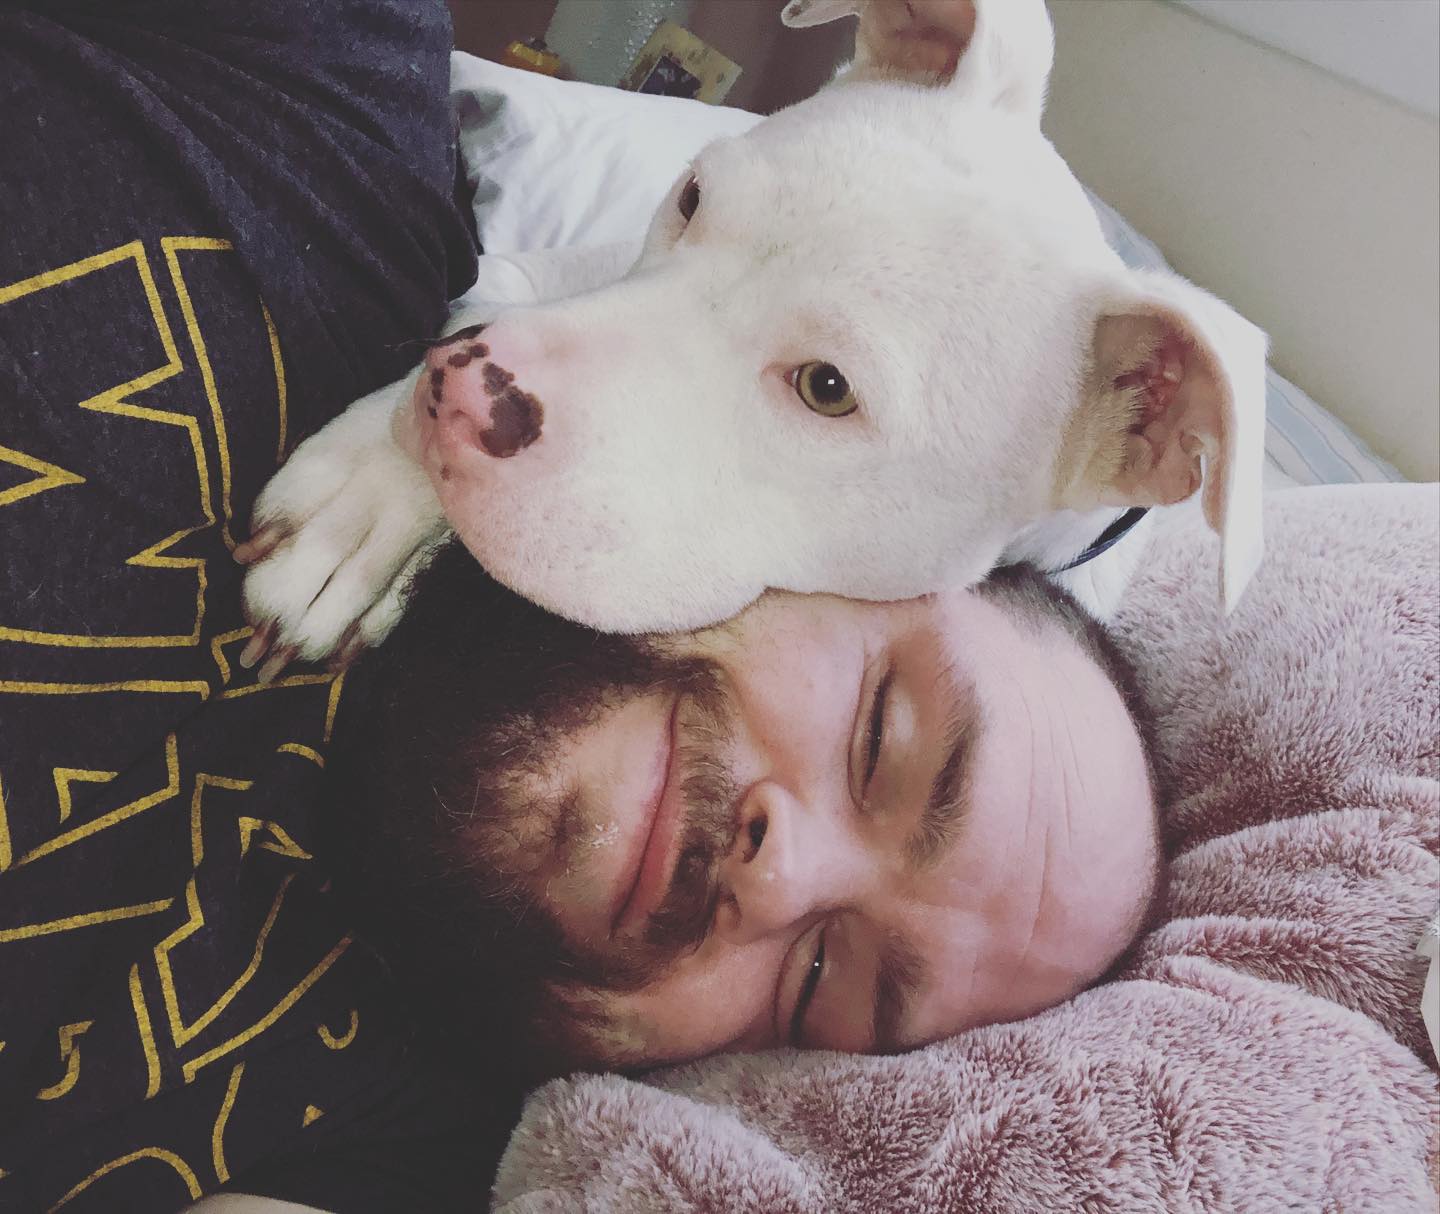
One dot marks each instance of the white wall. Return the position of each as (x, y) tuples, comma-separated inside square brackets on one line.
[(1390, 46), (1310, 203)]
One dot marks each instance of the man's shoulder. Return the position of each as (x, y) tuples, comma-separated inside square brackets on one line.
[(315, 139), (221, 232)]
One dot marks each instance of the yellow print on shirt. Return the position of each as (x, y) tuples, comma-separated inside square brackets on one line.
[(123, 400), (192, 994)]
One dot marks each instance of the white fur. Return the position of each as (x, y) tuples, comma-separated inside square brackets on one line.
[(369, 516), (921, 235)]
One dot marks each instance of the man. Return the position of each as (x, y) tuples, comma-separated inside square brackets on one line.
[(220, 223), (826, 824)]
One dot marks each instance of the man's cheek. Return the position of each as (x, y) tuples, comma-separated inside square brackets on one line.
[(719, 999), (957, 994)]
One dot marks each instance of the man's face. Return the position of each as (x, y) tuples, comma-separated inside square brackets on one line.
[(896, 821)]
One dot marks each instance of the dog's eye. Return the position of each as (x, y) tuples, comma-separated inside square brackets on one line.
[(689, 201), (824, 390)]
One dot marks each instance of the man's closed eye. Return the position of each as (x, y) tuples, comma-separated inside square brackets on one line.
[(871, 743)]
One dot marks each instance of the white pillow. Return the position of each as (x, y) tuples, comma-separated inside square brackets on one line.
[(557, 163)]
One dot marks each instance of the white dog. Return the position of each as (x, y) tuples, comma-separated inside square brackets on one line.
[(873, 347)]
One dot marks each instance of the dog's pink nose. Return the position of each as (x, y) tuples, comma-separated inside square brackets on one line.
[(474, 403)]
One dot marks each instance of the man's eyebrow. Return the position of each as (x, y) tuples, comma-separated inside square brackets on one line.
[(949, 797), (901, 973)]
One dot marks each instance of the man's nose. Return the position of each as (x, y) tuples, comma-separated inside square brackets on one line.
[(790, 860)]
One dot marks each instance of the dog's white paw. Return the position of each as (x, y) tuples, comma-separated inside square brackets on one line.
[(337, 534)]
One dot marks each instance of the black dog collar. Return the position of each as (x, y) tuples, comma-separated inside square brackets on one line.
[(1108, 538)]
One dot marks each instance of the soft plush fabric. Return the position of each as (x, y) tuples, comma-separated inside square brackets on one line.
[(554, 163), (1263, 1049)]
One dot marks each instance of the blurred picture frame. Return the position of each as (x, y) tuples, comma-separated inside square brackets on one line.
[(675, 63)]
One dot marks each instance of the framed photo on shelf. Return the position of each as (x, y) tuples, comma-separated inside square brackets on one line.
[(675, 63)]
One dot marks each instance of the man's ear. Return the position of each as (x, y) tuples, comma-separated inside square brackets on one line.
[(1174, 402), (993, 53)]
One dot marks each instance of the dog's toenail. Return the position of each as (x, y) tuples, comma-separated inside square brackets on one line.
[(260, 641)]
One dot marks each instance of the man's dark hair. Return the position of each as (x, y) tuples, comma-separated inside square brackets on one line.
[(472, 688)]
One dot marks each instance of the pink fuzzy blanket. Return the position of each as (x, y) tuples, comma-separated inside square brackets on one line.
[(1263, 1051)]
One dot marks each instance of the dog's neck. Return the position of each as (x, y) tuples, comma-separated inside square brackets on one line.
[(1055, 541), (1107, 539), (1093, 553)]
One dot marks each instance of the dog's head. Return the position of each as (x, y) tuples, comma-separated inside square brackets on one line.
[(867, 342)]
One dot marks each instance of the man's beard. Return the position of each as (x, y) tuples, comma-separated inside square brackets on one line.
[(465, 710), (520, 834)]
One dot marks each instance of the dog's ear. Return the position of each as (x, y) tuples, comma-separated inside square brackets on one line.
[(995, 53), (1174, 401)]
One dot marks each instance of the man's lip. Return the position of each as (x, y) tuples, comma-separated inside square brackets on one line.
[(646, 877)]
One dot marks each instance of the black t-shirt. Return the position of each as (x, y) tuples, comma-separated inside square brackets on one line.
[(220, 221)]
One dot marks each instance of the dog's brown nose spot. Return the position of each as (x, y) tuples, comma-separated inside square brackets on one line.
[(497, 379), (445, 473), (437, 383), (465, 357), (515, 419), (432, 410)]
